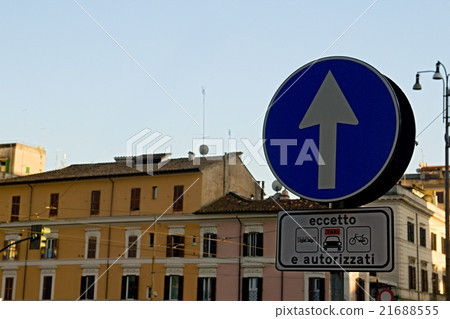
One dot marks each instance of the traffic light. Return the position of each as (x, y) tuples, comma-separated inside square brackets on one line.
[(35, 241), (38, 239)]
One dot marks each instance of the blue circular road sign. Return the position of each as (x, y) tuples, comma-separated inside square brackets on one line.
[(332, 129)]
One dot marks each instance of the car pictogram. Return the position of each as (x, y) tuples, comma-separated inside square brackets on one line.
[(332, 242)]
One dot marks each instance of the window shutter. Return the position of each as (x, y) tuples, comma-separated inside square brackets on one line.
[(90, 287), (55, 247), (180, 288), (181, 247), (245, 246), (169, 246), (213, 289), (199, 289), (166, 287), (245, 282), (213, 245), (205, 246), (83, 288), (259, 244), (135, 288), (260, 288), (322, 288), (123, 294)]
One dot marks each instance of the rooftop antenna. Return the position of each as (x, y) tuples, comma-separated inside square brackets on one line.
[(204, 149)]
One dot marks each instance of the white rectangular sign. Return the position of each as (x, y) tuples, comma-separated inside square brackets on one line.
[(336, 239)]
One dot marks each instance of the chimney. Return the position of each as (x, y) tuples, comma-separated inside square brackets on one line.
[(191, 156)]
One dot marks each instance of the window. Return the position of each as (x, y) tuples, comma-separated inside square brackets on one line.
[(253, 244), (440, 197), (412, 277), (316, 289), (87, 288), (423, 240), (135, 199), (54, 202), (130, 287), (178, 198), (435, 282), (8, 290), (410, 232), (443, 245), (92, 247), (252, 289), (12, 252), (132, 246), (206, 289), (152, 240), (175, 246), (209, 245), (47, 282), (15, 208), (173, 287), (433, 241), (95, 202), (360, 291), (424, 279), (51, 249), (155, 192)]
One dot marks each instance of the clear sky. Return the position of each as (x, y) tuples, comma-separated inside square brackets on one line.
[(82, 77)]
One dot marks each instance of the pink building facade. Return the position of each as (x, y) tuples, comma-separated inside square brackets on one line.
[(244, 260)]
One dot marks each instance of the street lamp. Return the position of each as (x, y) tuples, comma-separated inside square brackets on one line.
[(438, 76)]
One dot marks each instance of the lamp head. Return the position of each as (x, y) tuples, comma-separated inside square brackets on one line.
[(417, 85), (437, 75)]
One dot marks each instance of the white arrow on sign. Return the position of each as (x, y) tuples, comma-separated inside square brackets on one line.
[(328, 108)]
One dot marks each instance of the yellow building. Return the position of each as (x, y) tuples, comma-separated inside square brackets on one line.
[(18, 159), (119, 216)]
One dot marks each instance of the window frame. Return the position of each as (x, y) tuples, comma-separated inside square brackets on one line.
[(8, 291), (45, 285), (87, 287), (206, 289), (127, 289), (253, 244), (424, 279), (433, 241), (171, 247), (54, 205), (313, 283), (410, 231), (435, 283), (91, 247), (46, 253), (154, 192), (12, 252), (95, 202), (440, 197), (151, 243), (168, 286), (15, 208), (412, 277), (135, 199), (178, 195), (132, 246), (209, 245), (248, 284), (422, 237)]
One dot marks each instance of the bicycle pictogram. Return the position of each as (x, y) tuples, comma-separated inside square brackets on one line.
[(360, 239)]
